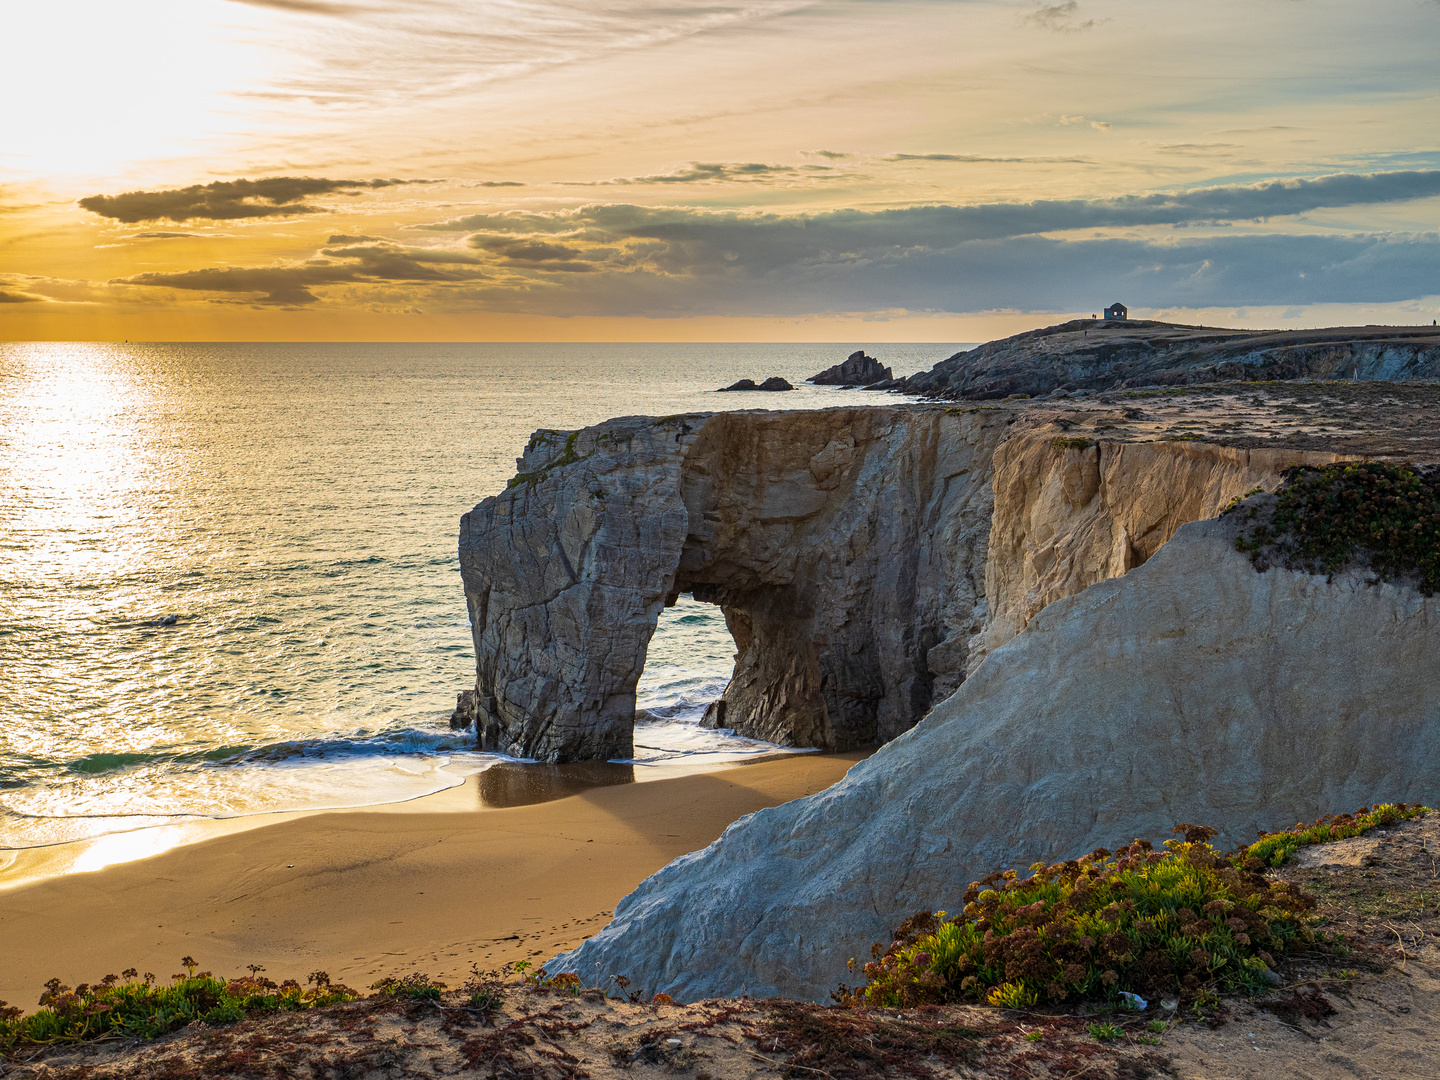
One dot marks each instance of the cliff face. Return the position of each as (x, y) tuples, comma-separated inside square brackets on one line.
[(1071, 512), (1099, 355), (845, 547), (1191, 689), (866, 559)]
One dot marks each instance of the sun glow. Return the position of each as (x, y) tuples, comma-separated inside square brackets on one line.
[(96, 88)]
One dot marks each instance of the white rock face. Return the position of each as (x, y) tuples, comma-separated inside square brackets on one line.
[(1193, 689)]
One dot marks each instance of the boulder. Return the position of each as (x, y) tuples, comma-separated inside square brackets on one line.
[(466, 710), (1193, 689), (857, 370)]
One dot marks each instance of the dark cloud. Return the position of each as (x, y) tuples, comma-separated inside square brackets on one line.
[(833, 155), (165, 236), (532, 252), (1026, 273), (17, 298), (228, 200), (943, 226), (290, 285), (497, 183), (1063, 16), (344, 238), (716, 172), (622, 259), (990, 160), (682, 261)]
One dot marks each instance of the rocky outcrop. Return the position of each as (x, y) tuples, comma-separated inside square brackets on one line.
[(1100, 355), (857, 370), (846, 548), (1191, 689), (866, 560), (775, 382)]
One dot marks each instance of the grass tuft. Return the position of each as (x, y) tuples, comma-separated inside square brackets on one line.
[(1274, 849)]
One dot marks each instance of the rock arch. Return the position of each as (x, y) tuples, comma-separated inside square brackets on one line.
[(846, 548)]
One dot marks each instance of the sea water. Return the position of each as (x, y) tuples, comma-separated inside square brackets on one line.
[(228, 573)]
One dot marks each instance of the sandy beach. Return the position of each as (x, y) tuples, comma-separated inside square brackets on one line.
[(364, 894)]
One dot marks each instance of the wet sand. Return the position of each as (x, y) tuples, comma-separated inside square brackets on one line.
[(430, 885)]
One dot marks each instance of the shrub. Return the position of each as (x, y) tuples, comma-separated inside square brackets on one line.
[(145, 1008), (416, 986), (1140, 920), (1273, 849), (1322, 520)]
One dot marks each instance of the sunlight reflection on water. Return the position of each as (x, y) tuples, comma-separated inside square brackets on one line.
[(228, 580)]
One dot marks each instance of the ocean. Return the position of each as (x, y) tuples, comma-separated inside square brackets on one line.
[(228, 579)]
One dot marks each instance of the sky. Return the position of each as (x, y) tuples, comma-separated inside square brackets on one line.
[(712, 170)]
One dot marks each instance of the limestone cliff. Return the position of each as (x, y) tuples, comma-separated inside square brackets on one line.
[(1191, 689), (846, 548), (1071, 511), (866, 559)]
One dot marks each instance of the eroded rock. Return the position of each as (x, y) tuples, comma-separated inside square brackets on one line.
[(846, 548)]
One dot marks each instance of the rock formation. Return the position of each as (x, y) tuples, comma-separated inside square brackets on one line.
[(1099, 355), (857, 370), (775, 382), (1192, 689), (866, 559), (846, 548)]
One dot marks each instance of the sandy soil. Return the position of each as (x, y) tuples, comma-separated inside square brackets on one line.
[(363, 895)]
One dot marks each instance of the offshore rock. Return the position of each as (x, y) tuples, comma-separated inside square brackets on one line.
[(1191, 689), (775, 382), (1103, 355), (857, 370), (465, 710)]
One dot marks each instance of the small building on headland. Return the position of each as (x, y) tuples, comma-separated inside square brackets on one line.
[(1117, 311)]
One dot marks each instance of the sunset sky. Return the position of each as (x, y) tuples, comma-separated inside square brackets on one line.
[(712, 169)]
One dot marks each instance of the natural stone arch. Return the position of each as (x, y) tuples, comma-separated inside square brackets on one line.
[(845, 546)]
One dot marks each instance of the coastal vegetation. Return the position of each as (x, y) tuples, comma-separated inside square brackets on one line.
[(1184, 922), (1382, 516), (133, 1005)]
